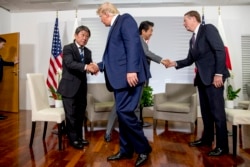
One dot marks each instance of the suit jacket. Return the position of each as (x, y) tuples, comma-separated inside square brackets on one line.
[(4, 63), (208, 54), (73, 73), (150, 55), (123, 54)]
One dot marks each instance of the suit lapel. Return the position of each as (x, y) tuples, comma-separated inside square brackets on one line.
[(200, 31), (110, 32), (76, 51), (112, 27)]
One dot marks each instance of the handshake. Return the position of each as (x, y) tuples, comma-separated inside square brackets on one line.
[(92, 68), (168, 63)]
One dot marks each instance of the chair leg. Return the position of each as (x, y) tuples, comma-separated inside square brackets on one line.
[(92, 126), (85, 124), (155, 124), (33, 128), (192, 126), (234, 140), (45, 129), (63, 124), (59, 126)]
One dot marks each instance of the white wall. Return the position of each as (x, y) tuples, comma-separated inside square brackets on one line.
[(5, 21), (36, 46)]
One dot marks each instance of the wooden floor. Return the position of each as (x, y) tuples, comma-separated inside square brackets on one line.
[(170, 149)]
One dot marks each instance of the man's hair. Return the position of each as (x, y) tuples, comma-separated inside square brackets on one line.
[(82, 28), (195, 14), (145, 25), (2, 40), (107, 8)]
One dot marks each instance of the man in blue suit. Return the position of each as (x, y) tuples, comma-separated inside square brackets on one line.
[(146, 31), (208, 53), (126, 70)]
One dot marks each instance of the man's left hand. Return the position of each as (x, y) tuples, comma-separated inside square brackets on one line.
[(132, 79), (218, 81)]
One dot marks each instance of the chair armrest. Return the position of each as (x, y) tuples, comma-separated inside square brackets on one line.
[(159, 98)]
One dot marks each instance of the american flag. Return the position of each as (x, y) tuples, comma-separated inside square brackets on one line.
[(55, 62)]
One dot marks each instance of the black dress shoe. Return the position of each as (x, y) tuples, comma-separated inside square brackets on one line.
[(218, 151), (199, 143), (2, 117), (107, 137), (84, 142), (141, 159), (119, 156), (77, 144)]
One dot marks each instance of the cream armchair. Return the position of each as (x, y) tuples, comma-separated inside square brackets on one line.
[(177, 103), (99, 103), (40, 108), (245, 104)]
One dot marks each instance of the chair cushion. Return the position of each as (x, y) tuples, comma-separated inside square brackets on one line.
[(238, 116), (104, 106), (174, 107)]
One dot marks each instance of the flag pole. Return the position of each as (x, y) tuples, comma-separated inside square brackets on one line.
[(203, 17), (57, 14), (219, 10), (74, 27)]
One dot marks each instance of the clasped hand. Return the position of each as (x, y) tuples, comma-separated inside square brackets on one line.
[(168, 63), (92, 68)]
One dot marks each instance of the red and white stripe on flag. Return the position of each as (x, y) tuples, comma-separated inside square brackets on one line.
[(55, 62), (223, 36)]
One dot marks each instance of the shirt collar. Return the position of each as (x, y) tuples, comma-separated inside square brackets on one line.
[(146, 41), (78, 46), (113, 20), (197, 29)]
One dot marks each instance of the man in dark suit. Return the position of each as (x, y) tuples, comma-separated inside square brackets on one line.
[(73, 85), (2, 64), (207, 52), (126, 70)]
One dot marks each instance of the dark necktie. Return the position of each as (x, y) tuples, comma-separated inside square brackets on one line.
[(193, 40), (81, 53)]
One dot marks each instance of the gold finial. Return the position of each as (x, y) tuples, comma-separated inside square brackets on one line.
[(219, 10), (76, 13)]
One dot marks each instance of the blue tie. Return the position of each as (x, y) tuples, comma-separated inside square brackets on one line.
[(82, 53)]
